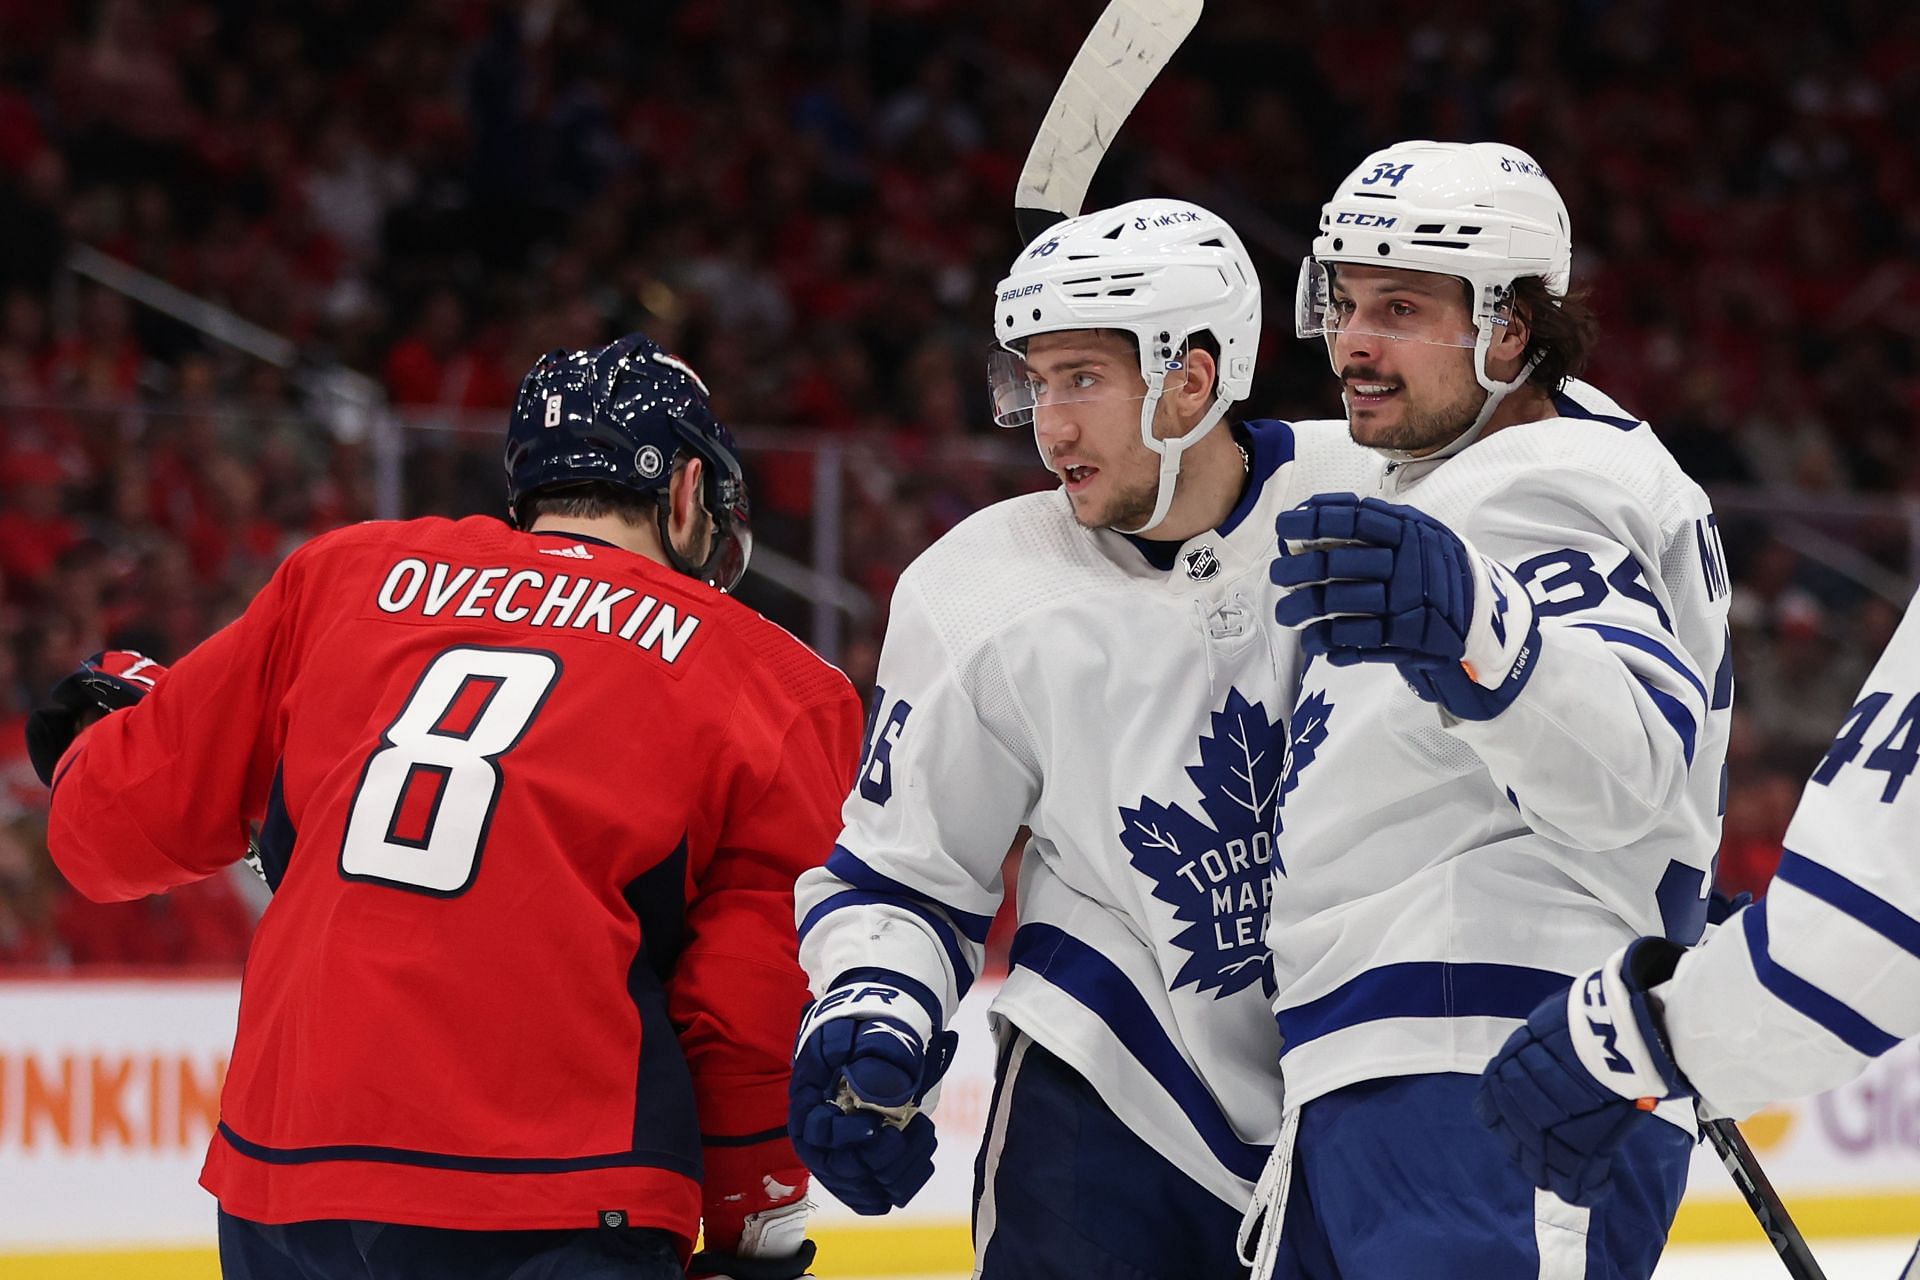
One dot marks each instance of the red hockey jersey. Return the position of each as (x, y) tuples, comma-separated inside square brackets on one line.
[(533, 807)]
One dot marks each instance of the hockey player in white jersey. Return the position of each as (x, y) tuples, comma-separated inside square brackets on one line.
[(1511, 729), (1793, 996), (1090, 663)]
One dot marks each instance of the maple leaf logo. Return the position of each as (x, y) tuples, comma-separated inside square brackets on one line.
[(1214, 867), (1305, 733)]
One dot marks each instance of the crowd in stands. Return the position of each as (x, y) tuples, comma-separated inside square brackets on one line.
[(811, 202)]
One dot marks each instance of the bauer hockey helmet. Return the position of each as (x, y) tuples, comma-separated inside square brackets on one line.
[(621, 415), (1160, 270), (1484, 212)]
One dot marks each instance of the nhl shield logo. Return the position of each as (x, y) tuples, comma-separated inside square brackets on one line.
[(1201, 563)]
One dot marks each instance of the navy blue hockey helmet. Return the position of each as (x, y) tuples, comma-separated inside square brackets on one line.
[(621, 415)]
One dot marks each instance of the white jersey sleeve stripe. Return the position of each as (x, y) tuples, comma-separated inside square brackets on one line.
[(1869, 908), (848, 866), (1653, 648), (1097, 984), (1677, 715), (937, 926), (1856, 1032), (1835, 951)]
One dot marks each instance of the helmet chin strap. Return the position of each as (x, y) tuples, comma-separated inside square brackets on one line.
[(1496, 390), (1170, 451)]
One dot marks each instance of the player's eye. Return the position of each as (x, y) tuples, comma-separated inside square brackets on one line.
[(1402, 309), (1084, 381)]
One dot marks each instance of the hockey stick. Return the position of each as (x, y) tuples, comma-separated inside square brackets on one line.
[(1122, 54), (1763, 1200)]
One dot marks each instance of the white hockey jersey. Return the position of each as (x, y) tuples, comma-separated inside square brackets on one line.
[(1042, 675), (1435, 878), (1799, 991)]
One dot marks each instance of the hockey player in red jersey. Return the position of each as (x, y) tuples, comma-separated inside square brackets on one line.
[(532, 798)]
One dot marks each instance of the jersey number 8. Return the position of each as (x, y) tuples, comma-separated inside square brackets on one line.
[(426, 798)]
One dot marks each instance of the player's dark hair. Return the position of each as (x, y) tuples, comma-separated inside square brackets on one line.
[(587, 501), (1561, 331)]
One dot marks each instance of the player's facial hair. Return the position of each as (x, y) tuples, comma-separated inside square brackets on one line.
[(699, 538), (1420, 426), (1131, 506)]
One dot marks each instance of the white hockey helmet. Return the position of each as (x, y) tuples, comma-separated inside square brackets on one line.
[(1161, 270), (1484, 212)]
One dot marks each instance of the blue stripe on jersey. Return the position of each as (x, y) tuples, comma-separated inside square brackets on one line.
[(1094, 981), (846, 864), (1421, 989), (742, 1139), (687, 1165), (1272, 448), (1571, 408), (277, 834), (1676, 713), (920, 993), (1797, 993), (1272, 443), (1869, 908), (1723, 678), (1648, 645), (941, 926)]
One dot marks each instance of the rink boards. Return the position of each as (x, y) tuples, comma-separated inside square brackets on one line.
[(109, 1090)]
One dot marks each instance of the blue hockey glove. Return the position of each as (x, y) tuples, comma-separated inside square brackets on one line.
[(106, 682), (1373, 581), (1566, 1089), (861, 1071)]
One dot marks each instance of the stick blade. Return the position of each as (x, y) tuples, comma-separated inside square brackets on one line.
[(1126, 49)]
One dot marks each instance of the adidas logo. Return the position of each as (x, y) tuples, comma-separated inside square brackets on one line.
[(577, 551)]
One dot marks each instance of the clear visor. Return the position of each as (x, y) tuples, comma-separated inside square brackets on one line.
[(1021, 390), (1400, 306), (733, 548), (732, 532)]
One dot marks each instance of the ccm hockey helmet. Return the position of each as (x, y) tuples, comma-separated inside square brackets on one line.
[(1483, 212)]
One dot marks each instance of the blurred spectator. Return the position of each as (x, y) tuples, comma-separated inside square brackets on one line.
[(810, 203), (1800, 677)]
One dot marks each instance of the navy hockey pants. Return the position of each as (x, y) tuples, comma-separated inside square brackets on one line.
[(1063, 1191), (336, 1249), (1395, 1178)]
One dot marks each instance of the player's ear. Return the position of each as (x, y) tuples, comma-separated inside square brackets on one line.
[(1195, 392), (684, 494), (1509, 343)]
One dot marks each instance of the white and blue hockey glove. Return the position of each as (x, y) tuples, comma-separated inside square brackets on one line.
[(1567, 1088), (1373, 581), (862, 1069)]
